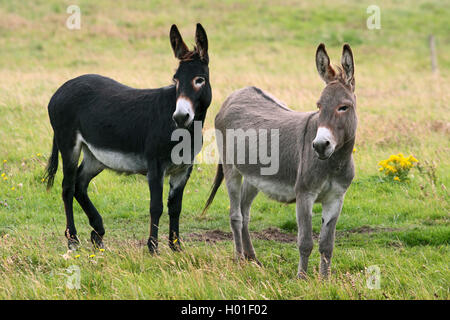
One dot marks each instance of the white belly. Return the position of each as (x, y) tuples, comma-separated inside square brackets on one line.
[(273, 189), (122, 162)]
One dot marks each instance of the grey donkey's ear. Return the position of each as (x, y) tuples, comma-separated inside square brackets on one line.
[(348, 65), (201, 40), (323, 64), (178, 45)]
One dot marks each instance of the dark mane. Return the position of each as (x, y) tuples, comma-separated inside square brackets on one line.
[(341, 76), (191, 55)]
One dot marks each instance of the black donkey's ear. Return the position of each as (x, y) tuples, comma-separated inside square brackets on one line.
[(201, 40), (179, 47)]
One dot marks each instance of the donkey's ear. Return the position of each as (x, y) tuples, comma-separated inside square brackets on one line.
[(323, 65), (178, 45), (348, 65), (201, 40)]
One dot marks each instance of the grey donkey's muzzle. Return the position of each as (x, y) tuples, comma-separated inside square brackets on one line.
[(324, 143)]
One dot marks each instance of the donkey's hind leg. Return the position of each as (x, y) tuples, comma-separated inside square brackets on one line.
[(89, 168), (234, 180), (248, 194), (70, 156)]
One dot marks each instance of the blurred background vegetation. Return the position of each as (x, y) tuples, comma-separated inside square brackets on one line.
[(402, 107)]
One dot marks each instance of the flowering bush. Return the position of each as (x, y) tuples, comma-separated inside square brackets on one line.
[(397, 166)]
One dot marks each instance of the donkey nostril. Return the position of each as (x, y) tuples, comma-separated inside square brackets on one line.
[(180, 118), (321, 146)]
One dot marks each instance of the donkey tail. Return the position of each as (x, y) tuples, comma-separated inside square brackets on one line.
[(52, 166), (217, 182)]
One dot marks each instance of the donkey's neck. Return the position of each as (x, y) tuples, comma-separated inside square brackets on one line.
[(343, 155), (201, 116)]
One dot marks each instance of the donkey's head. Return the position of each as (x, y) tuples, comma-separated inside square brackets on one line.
[(191, 78), (337, 103)]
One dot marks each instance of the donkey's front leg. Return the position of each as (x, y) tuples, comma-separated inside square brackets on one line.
[(331, 208), (155, 177), (305, 203), (177, 183)]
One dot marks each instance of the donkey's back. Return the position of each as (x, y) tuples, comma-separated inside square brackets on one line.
[(254, 106), (86, 91), (101, 108), (252, 109)]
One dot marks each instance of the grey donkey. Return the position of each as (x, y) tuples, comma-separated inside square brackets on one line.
[(314, 151)]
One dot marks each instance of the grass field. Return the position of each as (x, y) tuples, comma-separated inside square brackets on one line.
[(401, 227)]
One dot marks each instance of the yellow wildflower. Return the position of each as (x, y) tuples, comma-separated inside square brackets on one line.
[(390, 168), (92, 256), (404, 163), (77, 256), (39, 154), (102, 250), (5, 161), (3, 174), (397, 166), (382, 163), (394, 158), (13, 188)]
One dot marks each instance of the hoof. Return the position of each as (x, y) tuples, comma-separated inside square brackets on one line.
[(97, 240), (73, 243), (152, 245), (175, 245), (302, 275), (72, 240), (239, 258), (252, 258), (324, 277)]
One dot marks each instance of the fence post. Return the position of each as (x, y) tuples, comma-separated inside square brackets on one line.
[(434, 66)]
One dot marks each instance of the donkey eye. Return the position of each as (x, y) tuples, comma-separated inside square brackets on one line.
[(199, 81), (343, 108)]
